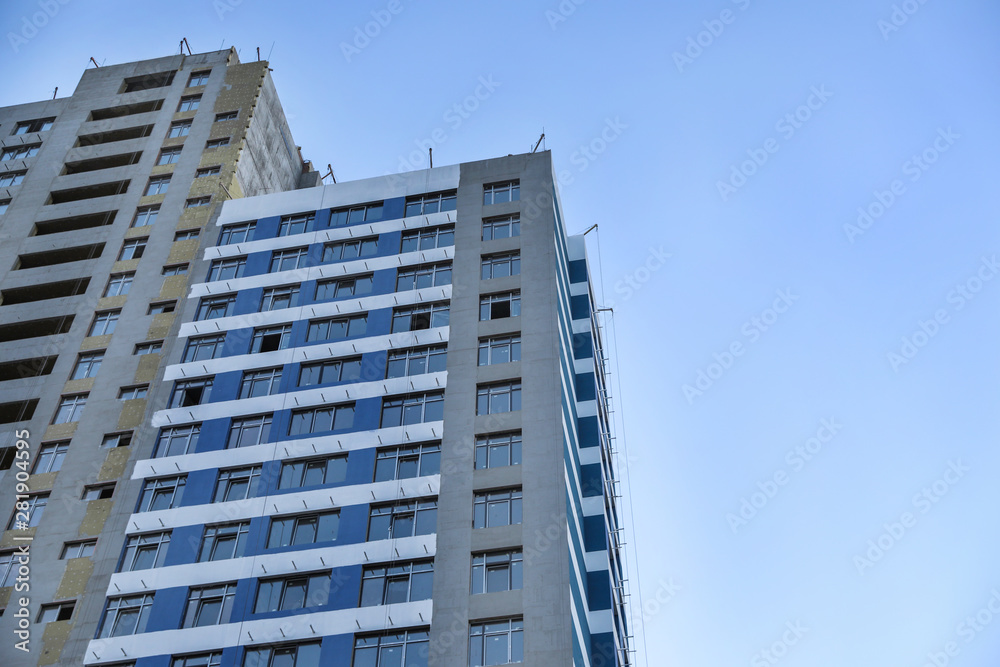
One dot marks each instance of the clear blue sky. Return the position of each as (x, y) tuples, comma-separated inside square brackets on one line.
[(776, 238)]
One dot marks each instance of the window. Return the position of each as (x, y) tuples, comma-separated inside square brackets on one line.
[(496, 451), (237, 484), (501, 266), (416, 361), (186, 235), (249, 431), (416, 318), (213, 659), (161, 307), (331, 370), (204, 348), (4, 204), (322, 419), (162, 494), (191, 392), (269, 339), (209, 605), (496, 642), (224, 541), (412, 409), (50, 457), (356, 214), (408, 461), (499, 350), (496, 508), (295, 224), (130, 393), (126, 615), (390, 584), (292, 655), (493, 399), (198, 202), (179, 129), (152, 347), (11, 178), (119, 284), (428, 275), (227, 269), (145, 215), (19, 152), (496, 572), (228, 115), (60, 611), (147, 81), (143, 552), (9, 564), (336, 328), (213, 307), (327, 290), (216, 143), (425, 239), (208, 171), (497, 306), (499, 193), (424, 204), (6, 457), (303, 529), (199, 78), (133, 249), (503, 227), (353, 249), (117, 439), (297, 592), (313, 472), (98, 492), (189, 103), (84, 549), (238, 233), (286, 260), (29, 514), (277, 298), (175, 270), (409, 648), (169, 156), (178, 440), (87, 365), (402, 520), (70, 409), (37, 125), (260, 382)]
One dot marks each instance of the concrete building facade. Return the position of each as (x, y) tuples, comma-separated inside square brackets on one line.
[(385, 440), (104, 200)]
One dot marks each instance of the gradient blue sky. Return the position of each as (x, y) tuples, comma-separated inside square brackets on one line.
[(724, 595)]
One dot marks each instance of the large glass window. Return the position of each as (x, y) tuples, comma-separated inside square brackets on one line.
[(222, 542), (50, 457), (104, 323), (277, 298), (322, 419), (418, 277), (327, 290), (87, 365), (263, 382), (412, 409), (496, 643), (355, 214), (30, 513), (209, 605), (430, 203), (303, 529), (503, 227), (214, 307), (398, 582), (330, 370), (499, 350), (496, 508), (178, 440), (402, 520), (143, 552), (270, 339), (241, 232), (70, 409), (492, 399), (408, 461), (227, 269), (416, 361), (126, 615), (158, 185), (296, 592), (499, 193), (415, 318), (497, 571), (249, 431), (425, 239), (336, 328), (204, 348), (407, 648), (313, 472), (498, 450), (237, 484), (195, 391), (501, 265), (353, 249), (162, 494), (296, 224), (119, 284), (286, 260), (289, 655)]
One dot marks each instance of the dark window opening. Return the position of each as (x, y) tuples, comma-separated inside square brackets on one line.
[(146, 81), (124, 134), (7, 455), (270, 342), (60, 256), (26, 368), (18, 411), (108, 162), (74, 223), (49, 326), (126, 110), (43, 292), (88, 192), (499, 309)]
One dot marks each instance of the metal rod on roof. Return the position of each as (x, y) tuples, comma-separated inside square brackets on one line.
[(94, 61), (55, 92), (184, 41), (430, 155), (538, 143)]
